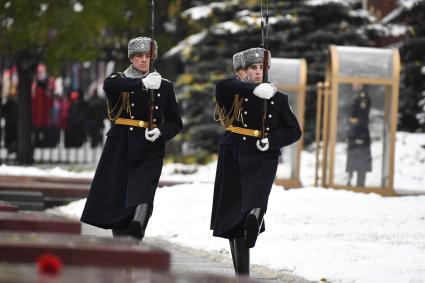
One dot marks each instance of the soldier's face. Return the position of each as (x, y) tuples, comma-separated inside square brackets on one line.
[(254, 73), (141, 62)]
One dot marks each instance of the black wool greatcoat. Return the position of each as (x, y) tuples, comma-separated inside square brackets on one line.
[(244, 174), (130, 166)]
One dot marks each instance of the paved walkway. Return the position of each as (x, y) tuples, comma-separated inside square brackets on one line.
[(188, 260)]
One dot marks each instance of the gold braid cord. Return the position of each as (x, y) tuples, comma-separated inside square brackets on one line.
[(122, 103), (235, 112)]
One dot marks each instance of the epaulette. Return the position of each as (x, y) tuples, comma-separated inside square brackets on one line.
[(120, 74), (284, 93)]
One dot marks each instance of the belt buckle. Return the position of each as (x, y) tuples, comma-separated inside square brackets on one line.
[(141, 124), (256, 133)]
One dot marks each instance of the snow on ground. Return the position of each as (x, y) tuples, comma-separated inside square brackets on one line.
[(170, 172), (410, 162), (35, 171), (409, 167), (408, 175), (342, 236)]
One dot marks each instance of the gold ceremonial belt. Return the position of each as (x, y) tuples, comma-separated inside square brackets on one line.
[(134, 123), (244, 131)]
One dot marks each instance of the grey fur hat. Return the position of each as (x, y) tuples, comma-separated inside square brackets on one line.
[(254, 56), (237, 61), (141, 45)]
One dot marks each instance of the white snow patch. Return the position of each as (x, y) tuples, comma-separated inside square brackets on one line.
[(226, 27), (35, 171), (324, 2), (200, 12), (408, 4), (362, 14), (389, 29), (409, 163), (191, 40)]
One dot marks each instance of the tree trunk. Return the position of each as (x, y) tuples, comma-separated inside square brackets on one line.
[(26, 70)]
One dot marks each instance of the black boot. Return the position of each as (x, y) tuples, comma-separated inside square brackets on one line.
[(119, 233), (232, 250), (140, 220), (241, 257), (253, 222)]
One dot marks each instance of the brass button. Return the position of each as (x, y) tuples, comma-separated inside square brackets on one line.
[(132, 104), (131, 128), (159, 94), (132, 117), (244, 138), (270, 115), (141, 124)]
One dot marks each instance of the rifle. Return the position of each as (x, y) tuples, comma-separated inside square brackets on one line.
[(151, 65), (266, 63)]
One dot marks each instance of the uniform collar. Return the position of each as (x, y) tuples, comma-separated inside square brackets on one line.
[(132, 72)]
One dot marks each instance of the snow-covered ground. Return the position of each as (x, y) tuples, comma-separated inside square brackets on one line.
[(342, 236), (408, 176), (339, 235)]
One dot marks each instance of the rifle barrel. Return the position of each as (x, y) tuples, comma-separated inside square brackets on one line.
[(151, 65)]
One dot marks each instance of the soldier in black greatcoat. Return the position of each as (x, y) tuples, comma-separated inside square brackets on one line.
[(247, 164), (359, 157), (123, 189)]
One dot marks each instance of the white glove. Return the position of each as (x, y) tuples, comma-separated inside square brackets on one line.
[(152, 81), (152, 135), (264, 145), (265, 90)]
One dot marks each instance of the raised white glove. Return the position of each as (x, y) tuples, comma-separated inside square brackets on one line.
[(264, 145), (265, 90), (152, 81), (152, 135)]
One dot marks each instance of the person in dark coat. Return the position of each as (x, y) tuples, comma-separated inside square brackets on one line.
[(359, 157), (74, 133), (10, 115), (123, 189), (247, 164), (96, 108)]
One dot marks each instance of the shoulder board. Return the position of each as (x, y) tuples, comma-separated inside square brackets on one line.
[(120, 74), (280, 93)]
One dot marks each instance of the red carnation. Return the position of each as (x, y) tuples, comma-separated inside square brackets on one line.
[(48, 263)]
